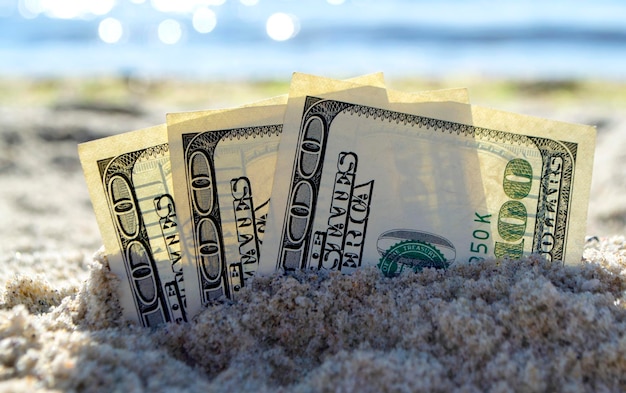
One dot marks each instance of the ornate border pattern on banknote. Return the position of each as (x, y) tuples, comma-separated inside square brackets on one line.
[(558, 162), (149, 298), (214, 278)]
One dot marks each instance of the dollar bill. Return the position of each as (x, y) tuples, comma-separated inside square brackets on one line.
[(130, 183), (222, 180), (362, 182), (223, 167)]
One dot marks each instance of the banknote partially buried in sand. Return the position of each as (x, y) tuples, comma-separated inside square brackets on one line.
[(336, 176)]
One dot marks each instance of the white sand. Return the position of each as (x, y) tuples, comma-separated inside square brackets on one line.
[(515, 326), (519, 326)]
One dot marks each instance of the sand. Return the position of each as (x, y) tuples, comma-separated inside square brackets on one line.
[(508, 326)]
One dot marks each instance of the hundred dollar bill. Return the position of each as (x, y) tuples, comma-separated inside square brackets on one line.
[(360, 183), (223, 175), (223, 166), (130, 183)]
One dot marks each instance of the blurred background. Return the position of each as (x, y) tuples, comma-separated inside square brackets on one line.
[(77, 70), (261, 39)]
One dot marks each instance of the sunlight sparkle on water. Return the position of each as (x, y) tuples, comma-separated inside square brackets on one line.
[(281, 26), (65, 9), (170, 32), (29, 9), (204, 20), (183, 6), (110, 30)]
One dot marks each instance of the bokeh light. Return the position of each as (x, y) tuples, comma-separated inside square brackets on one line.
[(29, 9), (110, 30), (170, 31), (169, 5), (281, 26), (183, 6), (65, 9), (204, 20), (101, 7)]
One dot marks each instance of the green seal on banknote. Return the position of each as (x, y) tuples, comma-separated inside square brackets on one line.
[(411, 254), (401, 249)]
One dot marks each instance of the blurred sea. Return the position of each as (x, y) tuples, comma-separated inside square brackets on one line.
[(259, 39)]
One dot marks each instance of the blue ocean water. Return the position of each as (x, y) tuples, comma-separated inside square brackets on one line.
[(252, 39)]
